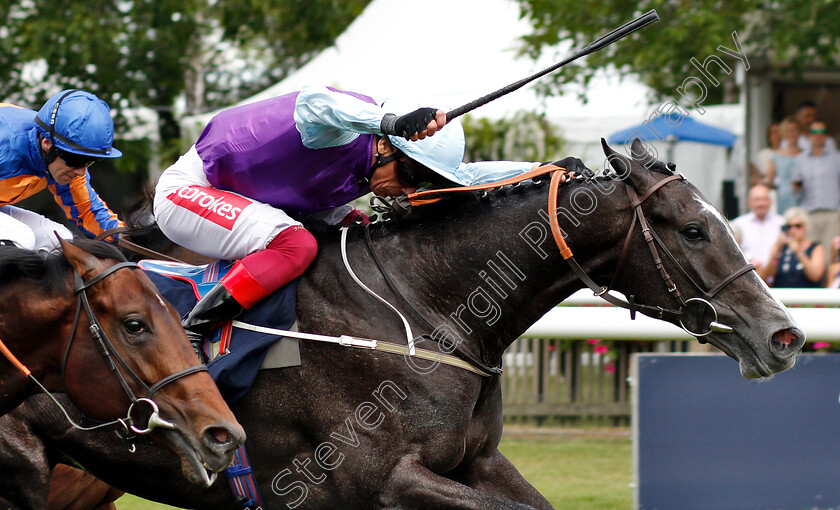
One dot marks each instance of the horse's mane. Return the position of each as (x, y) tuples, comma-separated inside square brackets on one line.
[(145, 231), (452, 207), (48, 271)]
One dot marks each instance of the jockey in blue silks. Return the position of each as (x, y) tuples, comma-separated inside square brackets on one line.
[(53, 149)]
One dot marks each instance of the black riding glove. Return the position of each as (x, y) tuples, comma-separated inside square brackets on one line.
[(409, 124), (572, 164)]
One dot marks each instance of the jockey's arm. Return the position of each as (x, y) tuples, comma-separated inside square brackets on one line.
[(82, 205), (326, 118)]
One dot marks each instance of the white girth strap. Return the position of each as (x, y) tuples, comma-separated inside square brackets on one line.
[(409, 336)]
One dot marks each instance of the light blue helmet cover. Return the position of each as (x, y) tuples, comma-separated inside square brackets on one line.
[(82, 124)]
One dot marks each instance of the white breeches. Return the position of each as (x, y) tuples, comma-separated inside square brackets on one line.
[(209, 221), (30, 230)]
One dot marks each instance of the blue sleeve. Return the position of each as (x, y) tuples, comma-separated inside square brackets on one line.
[(483, 172)]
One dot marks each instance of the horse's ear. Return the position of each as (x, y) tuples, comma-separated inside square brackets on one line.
[(82, 261), (633, 171), (620, 163)]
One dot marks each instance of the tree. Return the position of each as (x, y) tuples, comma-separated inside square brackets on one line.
[(527, 136), (788, 34), (150, 53)]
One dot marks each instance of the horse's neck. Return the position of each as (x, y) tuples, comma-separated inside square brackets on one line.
[(35, 325), (520, 274), (484, 278)]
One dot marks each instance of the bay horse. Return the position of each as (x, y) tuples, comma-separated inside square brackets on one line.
[(86, 322), (355, 428)]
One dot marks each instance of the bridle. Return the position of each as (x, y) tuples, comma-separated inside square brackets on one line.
[(110, 354), (652, 240), (134, 421)]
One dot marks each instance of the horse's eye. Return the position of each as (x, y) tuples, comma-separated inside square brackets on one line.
[(134, 326), (693, 234)]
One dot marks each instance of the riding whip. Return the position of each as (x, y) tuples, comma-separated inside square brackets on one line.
[(602, 42)]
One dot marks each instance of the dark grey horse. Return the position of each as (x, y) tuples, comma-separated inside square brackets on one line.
[(354, 428)]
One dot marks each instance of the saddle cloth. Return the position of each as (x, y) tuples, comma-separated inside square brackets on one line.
[(236, 355)]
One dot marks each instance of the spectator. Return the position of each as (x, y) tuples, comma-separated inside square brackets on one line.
[(806, 114), (816, 174), (774, 141), (834, 269), (780, 170), (796, 260), (759, 229)]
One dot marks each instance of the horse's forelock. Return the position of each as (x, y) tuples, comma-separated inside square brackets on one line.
[(50, 270)]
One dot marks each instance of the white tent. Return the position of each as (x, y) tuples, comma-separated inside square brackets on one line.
[(450, 52)]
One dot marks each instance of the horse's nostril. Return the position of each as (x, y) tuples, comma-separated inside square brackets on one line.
[(784, 337), (218, 436), (786, 342)]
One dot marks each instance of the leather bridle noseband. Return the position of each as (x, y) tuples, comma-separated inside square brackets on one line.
[(652, 241), (132, 422)]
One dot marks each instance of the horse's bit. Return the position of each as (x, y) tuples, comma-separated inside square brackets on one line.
[(652, 240), (131, 423)]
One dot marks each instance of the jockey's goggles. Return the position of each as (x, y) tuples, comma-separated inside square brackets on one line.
[(410, 173), (76, 161)]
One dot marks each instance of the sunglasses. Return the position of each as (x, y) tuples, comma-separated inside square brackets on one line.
[(785, 228), (76, 161), (819, 131), (409, 174)]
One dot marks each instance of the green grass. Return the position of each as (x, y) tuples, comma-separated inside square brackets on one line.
[(574, 470), (129, 502)]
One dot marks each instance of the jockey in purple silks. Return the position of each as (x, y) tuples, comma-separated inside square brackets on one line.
[(259, 169)]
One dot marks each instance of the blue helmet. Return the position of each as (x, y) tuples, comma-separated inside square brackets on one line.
[(78, 122)]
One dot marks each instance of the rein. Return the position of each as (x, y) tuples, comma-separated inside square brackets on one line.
[(429, 196), (109, 353), (130, 246), (410, 349), (652, 241), (407, 304), (364, 343)]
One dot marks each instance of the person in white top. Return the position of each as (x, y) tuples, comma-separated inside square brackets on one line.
[(760, 227)]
